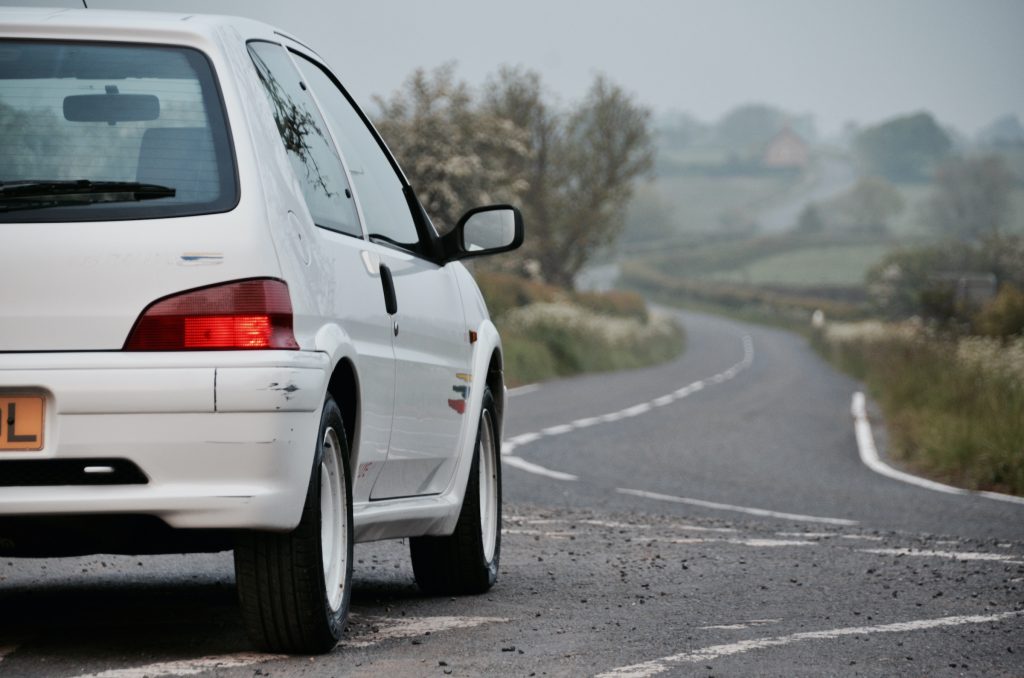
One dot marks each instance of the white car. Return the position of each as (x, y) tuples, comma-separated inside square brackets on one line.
[(227, 322)]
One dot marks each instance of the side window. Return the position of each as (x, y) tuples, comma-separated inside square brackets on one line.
[(313, 156), (380, 190)]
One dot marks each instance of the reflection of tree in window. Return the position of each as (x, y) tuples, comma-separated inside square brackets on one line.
[(294, 124)]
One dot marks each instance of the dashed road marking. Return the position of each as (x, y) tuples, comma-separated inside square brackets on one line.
[(187, 667), (740, 626), (951, 555), (530, 467), (684, 527), (538, 533), (386, 629), (869, 456), (806, 535), (754, 542), (654, 667), (510, 444), (764, 513)]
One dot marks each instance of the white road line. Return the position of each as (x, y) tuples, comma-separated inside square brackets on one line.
[(522, 390), (736, 509), (683, 527), (636, 410), (744, 625), (509, 445), (651, 668), (387, 629), (187, 667), (524, 438), (523, 465), (755, 543), (952, 555), (869, 456), (538, 533), (410, 627), (6, 650), (807, 535)]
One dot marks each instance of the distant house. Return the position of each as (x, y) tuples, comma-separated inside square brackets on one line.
[(786, 150)]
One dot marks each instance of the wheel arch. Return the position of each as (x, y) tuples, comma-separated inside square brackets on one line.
[(496, 382), (343, 386)]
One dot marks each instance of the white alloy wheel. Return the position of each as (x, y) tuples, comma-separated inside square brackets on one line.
[(333, 518), (294, 588), (488, 487), (466, 561)]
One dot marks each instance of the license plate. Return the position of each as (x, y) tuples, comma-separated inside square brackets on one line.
[(21, 423)]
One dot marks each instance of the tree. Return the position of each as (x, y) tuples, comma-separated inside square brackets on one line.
[(810, 220), (572, 172), (903, 149), (971, 199), (581, 170), (455, 155), (870, 204), (748, 128)]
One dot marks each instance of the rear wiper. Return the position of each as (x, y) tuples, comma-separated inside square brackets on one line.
[(38, 194)]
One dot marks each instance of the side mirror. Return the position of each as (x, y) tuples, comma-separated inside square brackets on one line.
[(485, 230)]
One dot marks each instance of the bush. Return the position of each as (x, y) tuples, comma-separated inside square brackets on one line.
[(568, 339), (550, 332), (1003, 316), (619, 304), (505, 291)]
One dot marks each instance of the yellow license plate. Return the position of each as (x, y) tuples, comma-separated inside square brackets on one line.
[(21, 423)]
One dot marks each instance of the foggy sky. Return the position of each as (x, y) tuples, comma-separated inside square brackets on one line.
[(861, 60)]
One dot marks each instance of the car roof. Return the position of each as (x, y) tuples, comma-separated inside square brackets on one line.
[(26, 21)]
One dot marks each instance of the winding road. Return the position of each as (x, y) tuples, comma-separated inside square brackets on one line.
[(711, 516)]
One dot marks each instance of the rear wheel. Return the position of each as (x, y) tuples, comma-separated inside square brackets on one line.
[(467, 560), (294, 588)]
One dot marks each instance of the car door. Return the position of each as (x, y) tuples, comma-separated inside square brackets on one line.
[(431, 339), (352, 293)]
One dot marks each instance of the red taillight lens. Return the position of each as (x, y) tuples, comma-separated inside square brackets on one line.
[(250, 314)]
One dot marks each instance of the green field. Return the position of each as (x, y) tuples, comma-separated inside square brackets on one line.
[(693, 203), (828, 265)]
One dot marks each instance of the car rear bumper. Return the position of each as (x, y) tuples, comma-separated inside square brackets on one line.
[(223, 439)]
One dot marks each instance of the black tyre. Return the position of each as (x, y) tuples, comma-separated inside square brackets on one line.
[(294, 588), (467, 561)]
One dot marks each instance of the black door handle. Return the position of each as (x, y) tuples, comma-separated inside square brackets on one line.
[(390, 299)]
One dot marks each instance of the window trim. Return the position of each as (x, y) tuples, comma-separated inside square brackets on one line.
[(429, 247), (350, 186), (223, 141)]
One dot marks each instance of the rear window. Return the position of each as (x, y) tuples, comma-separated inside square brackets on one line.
[(92, 131)]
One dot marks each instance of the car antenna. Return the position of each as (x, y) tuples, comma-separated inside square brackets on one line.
[(84, 4)]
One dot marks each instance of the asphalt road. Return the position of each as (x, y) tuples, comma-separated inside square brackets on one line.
[(706, 517), (833, 176)]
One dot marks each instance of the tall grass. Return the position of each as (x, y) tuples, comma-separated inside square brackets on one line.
[(954, 409), (550, 332)]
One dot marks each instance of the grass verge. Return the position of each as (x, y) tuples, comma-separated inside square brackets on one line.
[(954, 409), (547, 332)]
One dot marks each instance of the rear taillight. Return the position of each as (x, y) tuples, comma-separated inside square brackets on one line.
[(249, 314)]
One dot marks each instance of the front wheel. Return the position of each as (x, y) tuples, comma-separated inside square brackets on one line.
[(294, 588), (467, 560)]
